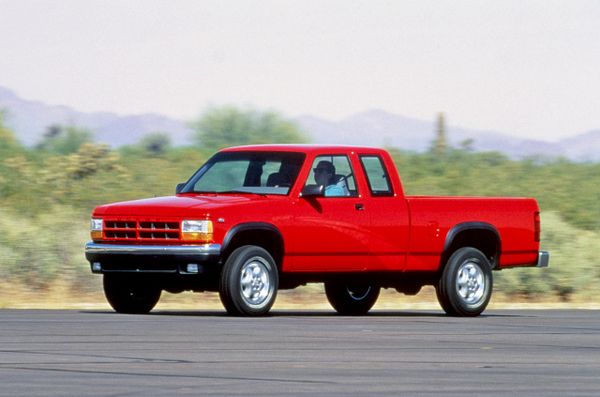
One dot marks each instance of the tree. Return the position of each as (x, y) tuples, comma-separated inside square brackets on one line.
[(11, 153), (467, 144), (440, 143), (156, 143), (60, 139), (8, 141), (226, 126)]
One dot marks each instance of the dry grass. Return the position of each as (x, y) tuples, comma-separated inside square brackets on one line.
[(311, 297)]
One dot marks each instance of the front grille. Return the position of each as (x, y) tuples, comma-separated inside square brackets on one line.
[(132, 230)]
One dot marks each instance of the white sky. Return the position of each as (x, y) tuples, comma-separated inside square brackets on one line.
[(527, 68)]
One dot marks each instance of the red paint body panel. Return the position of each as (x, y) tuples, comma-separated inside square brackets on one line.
[(330, 234), (433, 217)]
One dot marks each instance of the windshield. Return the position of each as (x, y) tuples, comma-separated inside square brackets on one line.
[(247, 172)]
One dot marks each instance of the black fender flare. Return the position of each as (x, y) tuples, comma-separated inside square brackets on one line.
[(246, 227), (469, 226)]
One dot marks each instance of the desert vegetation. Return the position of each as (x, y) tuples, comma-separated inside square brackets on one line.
[(48, 191)]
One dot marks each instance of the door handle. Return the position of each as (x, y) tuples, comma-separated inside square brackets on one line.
[(359, 207)]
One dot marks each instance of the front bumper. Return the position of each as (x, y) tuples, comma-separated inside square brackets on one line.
[(183, 259)]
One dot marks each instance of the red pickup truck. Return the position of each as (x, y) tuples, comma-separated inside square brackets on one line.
[(256, 219)]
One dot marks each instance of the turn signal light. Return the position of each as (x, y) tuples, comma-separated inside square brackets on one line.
[(197, 231), (96, 229)]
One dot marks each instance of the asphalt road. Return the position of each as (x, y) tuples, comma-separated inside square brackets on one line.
[(504, 353)]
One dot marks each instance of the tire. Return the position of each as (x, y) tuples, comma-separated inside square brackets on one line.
[(249, 282), (443, 300), (466, 284), (131, 295), (351, 299)]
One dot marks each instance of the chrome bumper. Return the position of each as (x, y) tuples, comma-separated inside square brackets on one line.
[(182, 259), (170, 250), (543, 259)]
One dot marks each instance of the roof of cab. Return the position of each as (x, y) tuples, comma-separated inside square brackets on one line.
[(304, 148)]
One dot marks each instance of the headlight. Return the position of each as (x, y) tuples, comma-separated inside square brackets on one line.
[(197, 231), (96, 229)]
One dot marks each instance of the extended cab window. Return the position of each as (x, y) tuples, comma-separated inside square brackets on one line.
[(247, 172), (334, 173), (377, 177)]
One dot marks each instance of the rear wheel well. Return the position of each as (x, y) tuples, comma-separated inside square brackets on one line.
[(485, 240)]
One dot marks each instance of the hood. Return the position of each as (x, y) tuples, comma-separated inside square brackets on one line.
[(173, 205)]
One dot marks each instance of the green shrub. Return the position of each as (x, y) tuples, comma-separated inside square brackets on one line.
[(573, 266), (35, 251)]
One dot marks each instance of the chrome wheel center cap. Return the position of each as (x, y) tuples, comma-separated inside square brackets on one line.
[(255, 283), (470, 283)]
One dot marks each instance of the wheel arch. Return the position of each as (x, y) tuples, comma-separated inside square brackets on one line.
[(261, 234), (480, 235)]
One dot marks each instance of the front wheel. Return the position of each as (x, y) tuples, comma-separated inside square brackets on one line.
[(351, 299), (131, 295), (249, 282), (465, 287)]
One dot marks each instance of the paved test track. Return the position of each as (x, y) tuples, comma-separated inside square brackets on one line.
[(79, 353)]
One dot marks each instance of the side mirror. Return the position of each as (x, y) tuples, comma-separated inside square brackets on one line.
[(312, 191), (179, 188)]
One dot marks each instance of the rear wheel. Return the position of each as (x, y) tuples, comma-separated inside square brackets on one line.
[(351, 299), (465, 287), (132, 295), (249, 282)]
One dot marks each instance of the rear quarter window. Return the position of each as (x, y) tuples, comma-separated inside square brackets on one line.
[(377, 176)]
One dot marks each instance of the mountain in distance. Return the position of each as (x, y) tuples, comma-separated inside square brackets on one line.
[(29, 120), (377, 128), (584, 146)]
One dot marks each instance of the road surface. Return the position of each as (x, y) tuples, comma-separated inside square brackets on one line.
[(98, 353)]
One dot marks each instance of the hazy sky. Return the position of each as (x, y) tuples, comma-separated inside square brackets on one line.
[(528, 68)]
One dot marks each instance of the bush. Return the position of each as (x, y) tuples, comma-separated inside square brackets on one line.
[(37, 250), (573, 266)]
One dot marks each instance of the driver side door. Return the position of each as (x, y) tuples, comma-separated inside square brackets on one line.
[(330, 233)]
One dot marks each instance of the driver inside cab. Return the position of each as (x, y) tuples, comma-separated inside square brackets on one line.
[(324, 174)]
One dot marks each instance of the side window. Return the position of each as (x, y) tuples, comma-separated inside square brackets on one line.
[(379, 181), (334, 173)]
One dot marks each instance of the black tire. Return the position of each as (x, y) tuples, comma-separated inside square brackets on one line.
[(443, 300), (131, 295), (351, 299), (465, 287), (249, 282)]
